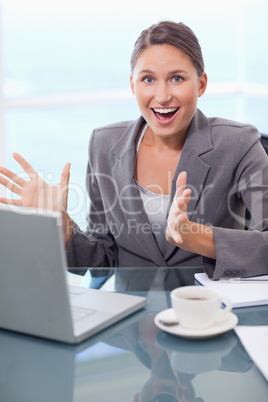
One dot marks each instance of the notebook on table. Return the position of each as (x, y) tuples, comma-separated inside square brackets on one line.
[(35, 298), (242, 294)]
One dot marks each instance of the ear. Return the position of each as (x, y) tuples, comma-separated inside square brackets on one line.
[(203, 80), (132, 85)]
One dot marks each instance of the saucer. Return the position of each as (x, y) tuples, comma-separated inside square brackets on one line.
[(219, 327)]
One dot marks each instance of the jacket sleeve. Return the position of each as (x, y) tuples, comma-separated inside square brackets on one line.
[(95, 247), (244, 252)]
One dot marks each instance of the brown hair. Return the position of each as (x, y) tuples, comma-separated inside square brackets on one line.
[(178, 35)]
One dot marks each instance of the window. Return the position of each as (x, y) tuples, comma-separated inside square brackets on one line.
[(65, 70)]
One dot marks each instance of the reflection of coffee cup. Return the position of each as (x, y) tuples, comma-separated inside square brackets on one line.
[(193, 357), (197, 307)]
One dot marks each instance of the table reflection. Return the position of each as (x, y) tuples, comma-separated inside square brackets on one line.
[(32, 369), (140, 279)]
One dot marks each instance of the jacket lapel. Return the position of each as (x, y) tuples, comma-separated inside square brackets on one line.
[(198, 142), (131, 203)]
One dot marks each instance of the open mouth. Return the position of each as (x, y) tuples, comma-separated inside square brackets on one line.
[(165, 114)]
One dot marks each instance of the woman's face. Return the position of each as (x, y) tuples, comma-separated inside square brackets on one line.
[(166, 86)]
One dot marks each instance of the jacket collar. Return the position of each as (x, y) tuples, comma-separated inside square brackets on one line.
[(198, 139), (129, 139)]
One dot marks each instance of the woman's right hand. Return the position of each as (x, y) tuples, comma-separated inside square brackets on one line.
[(34, 192)]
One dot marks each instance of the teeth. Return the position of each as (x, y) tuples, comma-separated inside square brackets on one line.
[(165, 110)]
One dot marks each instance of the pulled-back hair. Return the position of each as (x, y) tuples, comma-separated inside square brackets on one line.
[(175, 34)]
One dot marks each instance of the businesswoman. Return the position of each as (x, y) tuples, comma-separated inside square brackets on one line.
[(171, 188)]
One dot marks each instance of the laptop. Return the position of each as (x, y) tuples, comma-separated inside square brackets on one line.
[(35, 298)]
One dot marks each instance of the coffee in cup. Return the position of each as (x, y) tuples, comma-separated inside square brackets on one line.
[(197, 307)]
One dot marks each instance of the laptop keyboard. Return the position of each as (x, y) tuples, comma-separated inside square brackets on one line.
[(78, 313)]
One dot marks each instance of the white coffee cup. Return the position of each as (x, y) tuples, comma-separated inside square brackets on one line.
[(197, 307)]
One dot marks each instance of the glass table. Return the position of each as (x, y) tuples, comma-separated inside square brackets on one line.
[(134, 360)]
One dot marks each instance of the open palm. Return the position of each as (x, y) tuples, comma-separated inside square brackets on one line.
[(35, 192), (178, 220)]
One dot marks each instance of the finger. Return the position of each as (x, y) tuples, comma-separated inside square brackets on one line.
[(181, 202), (173, 236), (181, 183), (10, 201), (11, 186), (184, 200), (177, 239), (65, 175), (24, 164), (64, 184), (177, 227), (12, 176)]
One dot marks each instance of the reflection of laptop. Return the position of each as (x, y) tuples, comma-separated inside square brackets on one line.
[(35, 369), (34, 296)]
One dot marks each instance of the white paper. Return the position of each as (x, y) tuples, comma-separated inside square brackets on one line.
[(255, 341), (84, 281), (77, 280), (241, 294)]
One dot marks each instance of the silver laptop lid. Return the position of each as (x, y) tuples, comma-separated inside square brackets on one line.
[(33, 294)]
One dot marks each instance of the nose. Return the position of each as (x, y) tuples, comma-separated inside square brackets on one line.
[(163, 95)]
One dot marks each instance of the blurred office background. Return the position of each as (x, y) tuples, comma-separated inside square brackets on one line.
[(64, 70)]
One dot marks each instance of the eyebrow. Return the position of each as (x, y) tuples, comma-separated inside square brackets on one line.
[(169, 73)]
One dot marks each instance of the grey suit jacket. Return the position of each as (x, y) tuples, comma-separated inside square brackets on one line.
[(227, 170)]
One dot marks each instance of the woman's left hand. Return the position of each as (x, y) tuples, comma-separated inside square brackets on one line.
[(178, 223), (182, 232)]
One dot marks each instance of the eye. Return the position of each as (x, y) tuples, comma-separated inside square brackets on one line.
[(148, 80), (177, 78)]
